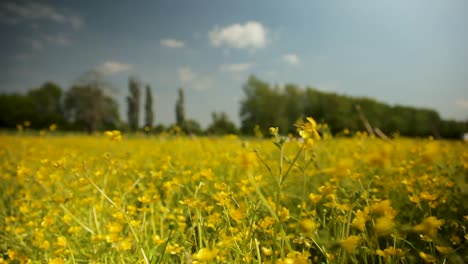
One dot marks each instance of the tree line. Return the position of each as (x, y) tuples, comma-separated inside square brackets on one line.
[(266, 104), (89, 106)]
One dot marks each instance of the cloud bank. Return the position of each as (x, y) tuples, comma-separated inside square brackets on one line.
[(237, 67), (15, 13), (113, 67), (291, 59), (190, 79), (252, 34), (172, 43)]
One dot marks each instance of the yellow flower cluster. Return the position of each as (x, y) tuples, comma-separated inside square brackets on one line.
[(176, 199)]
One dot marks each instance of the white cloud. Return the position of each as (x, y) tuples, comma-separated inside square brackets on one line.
[(186, 75), (76, 21), (172, 43), (249, 35), (113, 67), (239, 67), (42, 42), (57, 39), (290, 59), (36, 44), (203, 83), (462, 103), (14, 13), (193, 80)]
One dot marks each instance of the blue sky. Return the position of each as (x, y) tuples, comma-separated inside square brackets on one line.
[(401, 52)]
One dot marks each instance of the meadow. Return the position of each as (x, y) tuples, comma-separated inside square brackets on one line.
[(309, 198)]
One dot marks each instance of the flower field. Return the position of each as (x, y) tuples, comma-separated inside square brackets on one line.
[(175, 199)]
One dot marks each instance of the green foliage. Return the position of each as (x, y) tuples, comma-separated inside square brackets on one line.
[(15, 109), (133, 102), (192, 127), (41, 107), (265, 105), (87, 105), (221, 125), (180, 109), (46, 101), (149, 114)]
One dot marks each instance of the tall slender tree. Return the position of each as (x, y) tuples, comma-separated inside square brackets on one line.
[(149, 114), (180, 109), (133, 101)]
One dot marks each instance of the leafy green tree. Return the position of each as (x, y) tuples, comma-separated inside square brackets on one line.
[(221, 125), (86, 104), (149, 114), (47, 105), (294, 106), (133, 103), (262, 106), (192, 127), (15, 109), (180, 109), (267, 106)]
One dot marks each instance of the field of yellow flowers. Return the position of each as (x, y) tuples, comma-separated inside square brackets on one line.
[(176, 199)]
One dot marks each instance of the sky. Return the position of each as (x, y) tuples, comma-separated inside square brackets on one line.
[(412, 53)]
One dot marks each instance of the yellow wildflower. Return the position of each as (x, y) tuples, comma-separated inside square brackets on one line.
[(315, 197), (360, 220), (283, 214), (157, 240), (274, 131), (267, 222), (267, 251), (429, 226), (52, 127), (383, 208), (308, 130), (414, 198), (427, 196), (174, 249), (248, 160), (126, 244), (308, 225), (350, 243), (114, 135), (12, 254), (427, 258), (61, 241), (237, 214), (296, 258), (444, 250), (114, 227), (206, 254), (384, 225), (390, 251), (56, 261)]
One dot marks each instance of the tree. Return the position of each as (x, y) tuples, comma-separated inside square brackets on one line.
[(180, 109), (149, 114), (47, 104), (294, 99), (86, 103), (221, 125), (261, 106), (265, 106), (15, 109), (133, 102), (192, 127)]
